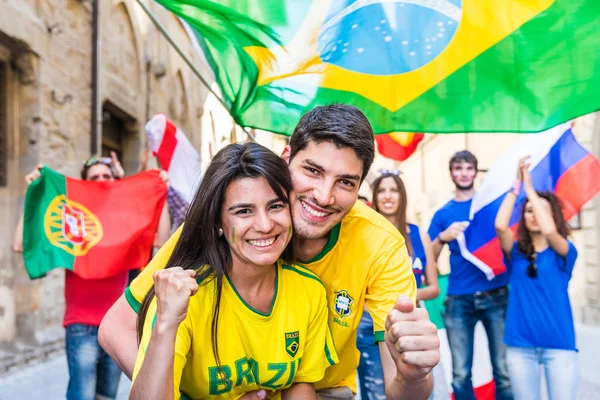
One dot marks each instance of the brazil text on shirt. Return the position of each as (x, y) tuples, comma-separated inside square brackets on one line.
[(541, 302), (365, 262), (465, 278), (291, 343)]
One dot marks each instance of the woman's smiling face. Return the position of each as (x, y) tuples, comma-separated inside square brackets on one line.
[(256, 223)]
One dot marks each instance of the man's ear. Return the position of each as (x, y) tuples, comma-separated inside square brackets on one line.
[(285, 154)]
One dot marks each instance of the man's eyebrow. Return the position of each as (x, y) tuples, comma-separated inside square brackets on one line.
[(314, 164), (320, 168)]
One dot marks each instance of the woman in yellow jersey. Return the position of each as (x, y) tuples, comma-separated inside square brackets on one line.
[(228, 315)]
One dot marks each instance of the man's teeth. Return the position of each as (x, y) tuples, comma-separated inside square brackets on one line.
[(262, 243), (313, 212)]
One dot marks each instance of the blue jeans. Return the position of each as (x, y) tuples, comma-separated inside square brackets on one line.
[(91, 370), (560, 367), (370, 371), (460, 316)]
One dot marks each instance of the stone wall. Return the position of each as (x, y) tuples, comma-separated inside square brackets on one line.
[(47, 46)]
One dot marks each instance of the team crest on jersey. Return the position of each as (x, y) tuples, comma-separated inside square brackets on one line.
[(343, 303), (292, 343)]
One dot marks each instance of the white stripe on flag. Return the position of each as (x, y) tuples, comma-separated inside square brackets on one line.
[(498, 181), (467, 255)]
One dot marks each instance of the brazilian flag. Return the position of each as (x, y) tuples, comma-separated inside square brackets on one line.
[(411, 65)]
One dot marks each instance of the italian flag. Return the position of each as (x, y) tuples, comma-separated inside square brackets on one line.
[(95, 229)]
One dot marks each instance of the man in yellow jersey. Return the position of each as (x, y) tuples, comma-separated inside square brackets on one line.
[(358, 255)]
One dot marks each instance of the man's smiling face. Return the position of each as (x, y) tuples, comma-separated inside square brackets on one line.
[(325, 181)]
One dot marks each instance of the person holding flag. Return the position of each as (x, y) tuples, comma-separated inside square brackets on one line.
[(471, 297), (540, 262), (92, 372), (358, 255)]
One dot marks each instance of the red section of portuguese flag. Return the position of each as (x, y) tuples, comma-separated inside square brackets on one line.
[(129, 211)]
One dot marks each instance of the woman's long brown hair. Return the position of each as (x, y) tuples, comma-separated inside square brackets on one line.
[(402, 206), (200, 247)]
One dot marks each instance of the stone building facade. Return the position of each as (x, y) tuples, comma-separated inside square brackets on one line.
[(429, 186), (46, 93)]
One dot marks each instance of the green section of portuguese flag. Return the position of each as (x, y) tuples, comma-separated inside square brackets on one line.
[(39, 254), (544, 73)]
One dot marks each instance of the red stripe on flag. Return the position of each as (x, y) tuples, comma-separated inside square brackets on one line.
[(491, 253), (578, 185), (167, 145), (484, 392), (390, 148)]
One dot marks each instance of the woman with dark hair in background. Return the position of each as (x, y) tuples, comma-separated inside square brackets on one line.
[(539, 322), (227, 315), (390, 200)]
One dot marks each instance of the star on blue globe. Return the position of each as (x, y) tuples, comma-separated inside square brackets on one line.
[(383, 37)]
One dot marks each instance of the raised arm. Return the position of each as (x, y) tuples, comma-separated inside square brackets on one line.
[(432, 288), (502, 223), (543, 215), (18, 237)]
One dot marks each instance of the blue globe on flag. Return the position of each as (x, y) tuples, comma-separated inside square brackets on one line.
[(387, 37)]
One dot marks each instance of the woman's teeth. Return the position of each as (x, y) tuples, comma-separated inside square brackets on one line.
[(262, 242)]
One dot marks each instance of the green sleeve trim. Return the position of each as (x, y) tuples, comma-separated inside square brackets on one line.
[(132, 300), (328, 355), (379, 336)]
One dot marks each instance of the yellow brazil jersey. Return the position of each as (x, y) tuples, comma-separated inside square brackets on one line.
[(292, 343), (365, 262)]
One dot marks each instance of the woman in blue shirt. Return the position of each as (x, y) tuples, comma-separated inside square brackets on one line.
[(389, 199), (539, 323)]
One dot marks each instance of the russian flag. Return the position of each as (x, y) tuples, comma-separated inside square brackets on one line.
[(179, 158), (558, 164)]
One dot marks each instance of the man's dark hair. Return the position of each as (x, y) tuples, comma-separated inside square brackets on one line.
[(90, 162), (341, 124), (463, 156)]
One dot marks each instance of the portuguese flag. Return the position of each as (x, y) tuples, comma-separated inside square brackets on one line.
[(95, 229), (409, 65)]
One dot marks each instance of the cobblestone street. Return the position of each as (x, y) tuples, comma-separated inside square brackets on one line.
[(45, 381)]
